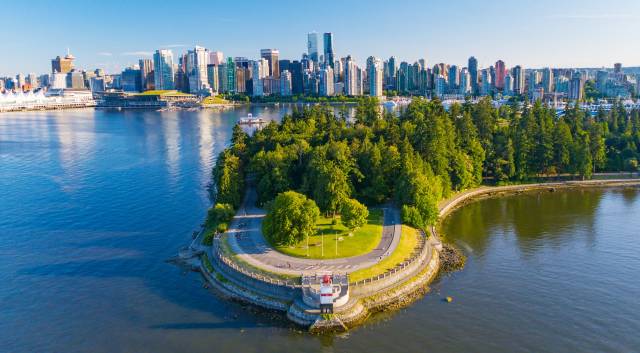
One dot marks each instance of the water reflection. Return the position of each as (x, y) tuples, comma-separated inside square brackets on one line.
[(560, 214)]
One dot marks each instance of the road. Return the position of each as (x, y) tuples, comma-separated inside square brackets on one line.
[(246, 240)]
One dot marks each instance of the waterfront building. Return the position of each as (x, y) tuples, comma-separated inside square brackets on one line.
[(285, 83), (32, 80), (374, 74), (473, 74), (260, 68), (196, 69), (163, 70), (97, 84), (312, 48), (58, 80), (222, 78), (518, 80), (241, 82), (131, 80), (75, 80), (501, 71), (272, 55), (146, 74), (328, 49)]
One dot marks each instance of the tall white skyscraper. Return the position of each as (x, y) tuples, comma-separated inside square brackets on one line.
[(465, 82), (260, 71), (312, 47), (197, 60), (375, 73), (327, 86), (163, 68)]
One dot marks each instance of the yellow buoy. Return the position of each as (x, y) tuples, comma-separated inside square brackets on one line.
[(449, 299)]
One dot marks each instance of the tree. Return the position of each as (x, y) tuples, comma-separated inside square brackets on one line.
[(353, 214), (219, 216), (228, 176), (291, 217)]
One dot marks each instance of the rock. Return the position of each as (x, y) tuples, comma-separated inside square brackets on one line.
[(451, 258)]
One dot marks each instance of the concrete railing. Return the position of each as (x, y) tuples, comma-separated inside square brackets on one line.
[(401, 272), (258, 282)]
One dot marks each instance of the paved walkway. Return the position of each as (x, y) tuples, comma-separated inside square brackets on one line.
[(246, 240)]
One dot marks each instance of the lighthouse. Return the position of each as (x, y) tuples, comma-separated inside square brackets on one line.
[(326, 295)]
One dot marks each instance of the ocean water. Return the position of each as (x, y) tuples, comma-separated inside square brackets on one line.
[(93, 202)]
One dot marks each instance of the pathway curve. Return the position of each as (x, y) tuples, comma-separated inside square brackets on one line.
[(246, 240)]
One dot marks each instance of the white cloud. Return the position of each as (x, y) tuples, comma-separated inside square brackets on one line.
[(104, 53), (137, 53)]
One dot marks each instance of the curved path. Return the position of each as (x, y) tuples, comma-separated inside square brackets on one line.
[(246, 240)]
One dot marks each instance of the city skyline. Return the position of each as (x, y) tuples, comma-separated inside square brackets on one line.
[(572, 34)]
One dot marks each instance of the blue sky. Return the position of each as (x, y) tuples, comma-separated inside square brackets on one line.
[(113, 34)]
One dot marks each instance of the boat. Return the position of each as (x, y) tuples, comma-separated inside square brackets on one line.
[(251, 120)]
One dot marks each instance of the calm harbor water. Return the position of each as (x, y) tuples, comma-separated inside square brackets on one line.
[(92, 203)]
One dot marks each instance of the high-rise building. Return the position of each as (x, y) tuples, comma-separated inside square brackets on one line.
[(601, 80), (131, 80), (272, 55), (534, 79), (75, 80), (260, 70), (617, 68), (375, 74), (146, 74), (163, 71), (487, 84), (216, 58), (231, 75), (576, 87), (328, 49), (212, 78), (312, 47), (439, 86), (285, 83), (326, 86), (518, 80), (501, 71), (507, 89), (352, 79), (454, 78), (465, 82), (547, 80), (196, 69), (62, 65), (473, 74), (297, 86)]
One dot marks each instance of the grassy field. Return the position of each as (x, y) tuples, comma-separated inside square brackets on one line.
[(363, 240), (215, 100), (408, 242)]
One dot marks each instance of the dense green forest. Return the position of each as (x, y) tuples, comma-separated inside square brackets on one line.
[(421, 155)]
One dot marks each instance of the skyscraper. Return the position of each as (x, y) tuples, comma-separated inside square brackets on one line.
[(260, 69), (163, 73), (454, 78), (375, 73), (518, 80), (328, 49), (146, 74), (501, 71), (547, 80), (62, 65), (231, 75), (473, 74), (465, 84), (296, 77), (326, 86), (312, 46), (272, 55), (216, 58), (285, 83)]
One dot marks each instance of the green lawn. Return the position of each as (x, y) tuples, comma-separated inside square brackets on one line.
[(408, 242), (215, 100), (363, 240)]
